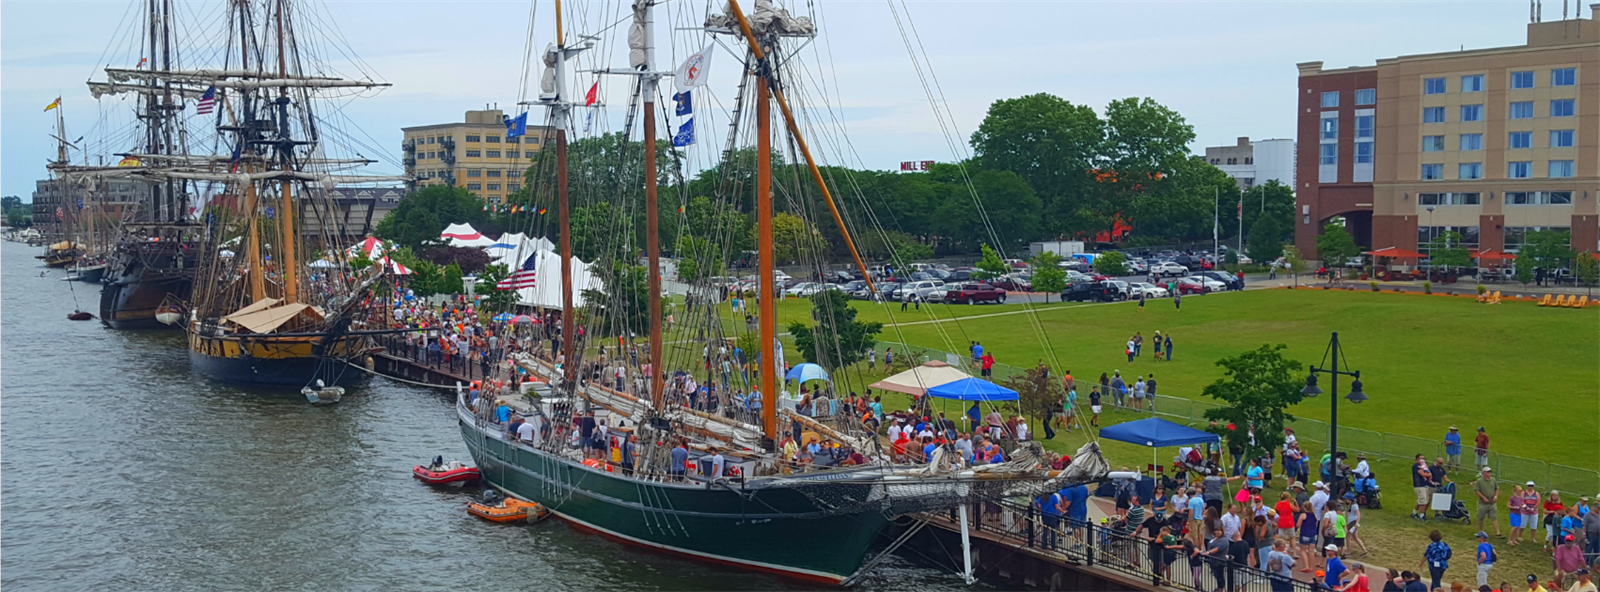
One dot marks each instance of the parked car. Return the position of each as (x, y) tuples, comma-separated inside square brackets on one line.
[(1103, 291), (1012, 283), (1169, 269), (1210, 285), (884, 290), (1231, 281), (972, 293), (1149, 290), (959, 275), (923, 289), (1116, 289), (1191, 285), (803, 289), (1139, 266)]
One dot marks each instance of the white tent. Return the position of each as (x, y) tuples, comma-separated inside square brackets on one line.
[(464, 235), (917, 381), (546, 292)]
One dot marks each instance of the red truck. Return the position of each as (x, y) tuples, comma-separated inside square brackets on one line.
[(974, 293)]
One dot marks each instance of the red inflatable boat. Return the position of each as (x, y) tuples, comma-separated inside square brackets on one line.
[(440, 473)]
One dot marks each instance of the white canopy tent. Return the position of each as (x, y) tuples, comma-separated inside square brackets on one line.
[(546, 292), (918, 380), (464, 235)]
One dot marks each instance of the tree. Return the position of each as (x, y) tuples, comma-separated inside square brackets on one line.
[(1051, 143), (1010, 214), (991, 266), (697, 259), (792, 239), (626, 294), (487, 280), (1048, 277), (1448, 250), (1269, 201), (1336, 245), (9, 202), (1036, 391), (422, 215), (1258, 386), (1586, 268), (1548, 249), (1523, 267), (1297, 264), (1112, 264), (1266, 241), (18, 217), (468, 259), (838, 339)]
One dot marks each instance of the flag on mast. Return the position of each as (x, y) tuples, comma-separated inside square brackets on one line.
[(53, 104), (694, 70), (208, 102), (593, 94), (685, 106), (517, 126), (523, 278), (685, 135)]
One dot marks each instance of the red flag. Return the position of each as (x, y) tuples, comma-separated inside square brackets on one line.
[(594, 92)]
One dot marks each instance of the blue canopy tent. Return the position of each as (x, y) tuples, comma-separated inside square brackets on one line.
[(973, 389), (807, 372), (1156, 433)]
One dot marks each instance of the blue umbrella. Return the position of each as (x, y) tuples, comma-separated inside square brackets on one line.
[(503, 317), (807, 372)]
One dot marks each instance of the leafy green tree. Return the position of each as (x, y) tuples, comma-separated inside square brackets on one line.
[(1258, 386), (626, 293), (911, 251), (1144, 138), (450, 281), (991, 266), (1297, 263), (9, 202), (1269, 201), (1011, 210), (1586, 268), (1266, 241), (420, 216), (838, 339), (1523, 268), (1336, 245), (1548, 249), (1112, 264), (1037, 392), (487, 280), (18, 217), (697, 259), (1048, 277), (1051, 143), (360, 262), (792, 239), (1448, 250)]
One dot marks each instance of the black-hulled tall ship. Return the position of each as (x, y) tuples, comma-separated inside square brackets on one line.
[(763, 513)]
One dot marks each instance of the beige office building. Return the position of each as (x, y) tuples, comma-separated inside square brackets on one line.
[(475, 154), (1491, 143)]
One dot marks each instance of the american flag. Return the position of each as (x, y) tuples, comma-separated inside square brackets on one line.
[(523, 278), (208, 101)]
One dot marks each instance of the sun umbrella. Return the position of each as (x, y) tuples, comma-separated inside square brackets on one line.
[(523, 320), (807, 372), (503, 317)]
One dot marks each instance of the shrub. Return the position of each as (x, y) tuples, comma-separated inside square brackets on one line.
[(1427, 287), (1482, 289), (1374, 286)]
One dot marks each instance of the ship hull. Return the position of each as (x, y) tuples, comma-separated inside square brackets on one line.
[(143, 276), (765, 529), (271, 361)]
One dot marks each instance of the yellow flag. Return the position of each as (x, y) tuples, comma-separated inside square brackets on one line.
[(54, 104)]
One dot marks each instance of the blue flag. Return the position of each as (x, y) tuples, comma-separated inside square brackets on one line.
[(516, 126), (685, 106), (685, 135)]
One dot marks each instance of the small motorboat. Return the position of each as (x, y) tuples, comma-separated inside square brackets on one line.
[(323, 394), (494, 508), (440, 472), (79, 315)]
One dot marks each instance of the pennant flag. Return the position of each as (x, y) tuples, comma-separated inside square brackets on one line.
[(234, 162), (694, 70), (271, 212), (593, 95), (588, 121), (142, 62), (128, 161), (208, 102), (542, 211), (517, 126), (80, 203), (685, 106), (53, 104), (685, 135), (60, 214), (522, 278)]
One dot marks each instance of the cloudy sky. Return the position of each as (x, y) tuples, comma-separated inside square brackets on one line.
[(1228, 67)]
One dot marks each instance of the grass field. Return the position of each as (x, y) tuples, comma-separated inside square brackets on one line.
[(1530, 375)]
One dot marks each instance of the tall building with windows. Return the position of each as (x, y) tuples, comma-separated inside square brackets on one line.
[(1256, 162), (1491, 143), (475, 154)]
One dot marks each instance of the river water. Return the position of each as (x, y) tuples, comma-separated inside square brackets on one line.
[(122, 470)]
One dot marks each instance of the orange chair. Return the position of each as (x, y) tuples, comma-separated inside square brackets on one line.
[(1583, 302), (1496, 298), (1545, 301), (1561, 301)]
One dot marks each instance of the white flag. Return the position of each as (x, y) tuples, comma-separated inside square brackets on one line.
[(694, 70)]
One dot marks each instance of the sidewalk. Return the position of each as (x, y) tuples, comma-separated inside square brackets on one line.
[(1465, 287)]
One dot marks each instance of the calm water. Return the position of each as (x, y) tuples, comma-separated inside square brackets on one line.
[(119, 469)]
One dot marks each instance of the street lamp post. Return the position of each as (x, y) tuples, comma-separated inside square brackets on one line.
[(1356, 394)]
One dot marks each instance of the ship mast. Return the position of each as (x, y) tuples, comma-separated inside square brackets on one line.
[(558, 109), (291, 280), (258, 281), (651, 207)]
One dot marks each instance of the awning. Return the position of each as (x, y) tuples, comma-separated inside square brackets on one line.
[(266, 321), (1493, 255), (1156, 432), (262, 304), (917, 381), (1396, 252), (973, 389)]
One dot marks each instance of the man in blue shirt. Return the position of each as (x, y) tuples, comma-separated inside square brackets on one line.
[(502, 414), (1334, 569), (1486, 557), (680, 455), (1452, 448), (928, 447), (1075, 505), (1050, 510)]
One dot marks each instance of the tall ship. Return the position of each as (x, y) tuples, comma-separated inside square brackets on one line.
[(703, 482)]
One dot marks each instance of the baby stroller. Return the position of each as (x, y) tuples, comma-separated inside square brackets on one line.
[(1365, 492), (1457, 509)]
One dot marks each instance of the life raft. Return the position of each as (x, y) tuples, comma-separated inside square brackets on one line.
[(446, 473), (511, 510)]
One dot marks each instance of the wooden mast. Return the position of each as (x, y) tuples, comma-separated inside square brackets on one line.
[(291, 279), (765, 300), (258, 284), (651, 206), (568, 333)]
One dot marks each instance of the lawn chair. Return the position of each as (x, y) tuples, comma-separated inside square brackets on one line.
[(1582, 302), (1496, 298), (1545, 301), (1561, 301)]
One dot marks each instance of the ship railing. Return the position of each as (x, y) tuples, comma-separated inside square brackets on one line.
[(1117, 547)]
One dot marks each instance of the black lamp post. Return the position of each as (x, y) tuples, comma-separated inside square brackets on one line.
[(1356, 394)]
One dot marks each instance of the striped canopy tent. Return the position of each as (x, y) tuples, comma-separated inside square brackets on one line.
[(464, 235), (371, 248)]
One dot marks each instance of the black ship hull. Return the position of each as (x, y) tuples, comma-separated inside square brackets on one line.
[(141, 277)]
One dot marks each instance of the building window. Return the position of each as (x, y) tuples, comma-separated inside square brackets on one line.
[(479, 187), (1433, 114), (512, 154), (1330, 154), (1522, 79), (1564, 77), (474, 172), (1521, 140), (1472, 113), (1560, 138), (474, 153), (1560, 169), (1470, 170), (533, 140), (494, 173), (1433, 143), (496, 187), (431, 140), (1330, 127), (1472, 83), (1519, 170), (1447, 199), (1562, 107), (1366, 96), (1363, 152), (472, 137), (1432, 172), (492, 139), (494, 154), (512, 140), (1433, 86), (1538, 198), (1472, 141), (1522, 110), (513, 187), (1330, 99), (1364, 126), (1233, 161)]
